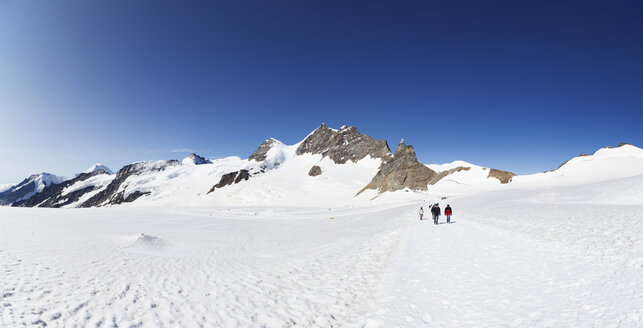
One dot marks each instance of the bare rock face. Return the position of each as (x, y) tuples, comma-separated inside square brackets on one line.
[(230, 178), (315, 171), (343, 145), (403, 171), (504, 176), (260, 154)]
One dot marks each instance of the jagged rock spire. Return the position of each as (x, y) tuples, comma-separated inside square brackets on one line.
[(403, 171)]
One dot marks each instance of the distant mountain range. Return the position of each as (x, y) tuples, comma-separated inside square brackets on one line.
[(329, 166)]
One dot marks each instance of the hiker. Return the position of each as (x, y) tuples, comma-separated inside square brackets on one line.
[(448, 212), (421, 213), (435, 210)]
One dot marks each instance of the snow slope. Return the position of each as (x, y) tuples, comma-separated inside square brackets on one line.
[(280, 180), (605, 164), (475, 179), (610, 175)]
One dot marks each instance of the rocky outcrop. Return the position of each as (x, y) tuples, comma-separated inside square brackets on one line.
[(260, 154), (403, 171), (504, 176), (315, 171), (230, 178), (114, 194), (52, 195), (343, 145)]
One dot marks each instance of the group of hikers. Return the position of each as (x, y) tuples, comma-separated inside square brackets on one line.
[(436, 212)]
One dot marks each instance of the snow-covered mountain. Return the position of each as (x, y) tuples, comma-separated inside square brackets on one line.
[(67, 192), (194, 159), (28, 187), (328, 167)]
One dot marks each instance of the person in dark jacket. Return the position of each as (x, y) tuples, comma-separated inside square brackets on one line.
[(448, 212), (435, 210)]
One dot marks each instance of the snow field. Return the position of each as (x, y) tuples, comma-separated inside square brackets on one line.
[(504, 262), (246, 267)]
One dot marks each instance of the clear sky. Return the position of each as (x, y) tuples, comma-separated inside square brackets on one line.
[(507, 84)]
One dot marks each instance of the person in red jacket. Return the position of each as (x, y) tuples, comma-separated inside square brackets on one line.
[(448, 211)]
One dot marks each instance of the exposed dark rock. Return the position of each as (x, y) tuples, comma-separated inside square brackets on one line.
[(51, 196), (403, 171), (504, 176), (343, 145), (230, 178), (135, 195), (243, 175), (112, 195), (315, 171), (260, 154)]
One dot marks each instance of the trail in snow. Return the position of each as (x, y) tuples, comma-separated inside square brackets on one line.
[(517, 265)]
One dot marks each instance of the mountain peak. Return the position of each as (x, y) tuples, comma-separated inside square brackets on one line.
[(261, 153), (194, 159), (98, 166), (345, 144), (403, 171)]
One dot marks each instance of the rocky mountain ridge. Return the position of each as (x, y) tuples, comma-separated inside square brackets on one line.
[(113, 194), (322, 152), (54, 195), (343, 145)]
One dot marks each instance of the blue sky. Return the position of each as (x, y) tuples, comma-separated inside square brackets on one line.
[(507, 84)]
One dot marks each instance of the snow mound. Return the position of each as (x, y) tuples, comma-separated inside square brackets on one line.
[(98, 166), (145, 241)]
